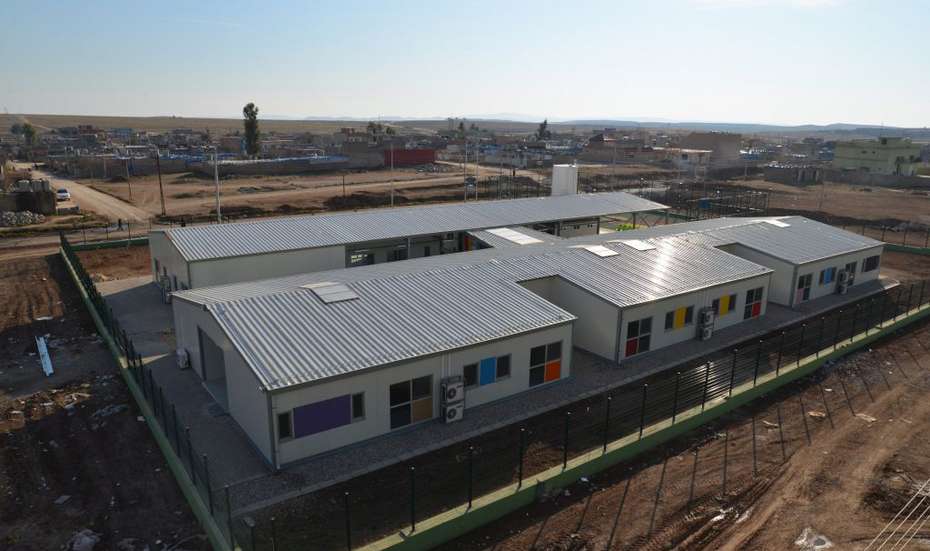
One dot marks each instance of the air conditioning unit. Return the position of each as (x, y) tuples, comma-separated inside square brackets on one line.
[(843, 288), (706, 317), (843, 277), (706, 333), (453, 412), (453, 390), (184, 359)]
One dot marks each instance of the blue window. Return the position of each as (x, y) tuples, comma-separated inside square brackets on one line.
[(488, 371), (827, 275)]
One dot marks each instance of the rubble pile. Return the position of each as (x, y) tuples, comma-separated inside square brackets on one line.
[(25, 218)]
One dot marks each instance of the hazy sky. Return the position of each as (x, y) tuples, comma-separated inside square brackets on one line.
[(770, 61)]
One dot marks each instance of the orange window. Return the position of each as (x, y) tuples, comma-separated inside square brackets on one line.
[(553, 370)]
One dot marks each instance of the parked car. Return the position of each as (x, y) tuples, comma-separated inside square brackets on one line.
[(63, 195)]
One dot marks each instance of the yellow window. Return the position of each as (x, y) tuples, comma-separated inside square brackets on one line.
[(680, 317), (724, 304)]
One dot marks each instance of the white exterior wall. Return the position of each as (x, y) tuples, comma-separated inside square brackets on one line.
[(564, 180), (839, 262), (248, 405), (206, 273), (782, 287), (701, 299), (595, 330), (169, 259), (375, 383)]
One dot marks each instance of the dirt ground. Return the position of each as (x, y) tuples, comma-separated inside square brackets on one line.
[(836, 467), (116, 263), (73, 455), (843, 200), (905, 267), (189, 193)]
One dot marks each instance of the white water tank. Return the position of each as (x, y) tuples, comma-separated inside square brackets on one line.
[(564, 179)]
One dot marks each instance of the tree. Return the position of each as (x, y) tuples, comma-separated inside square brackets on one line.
[(543, 132), (462, 128), (390, 131), (16, 129), (250, 125), (29, 134)]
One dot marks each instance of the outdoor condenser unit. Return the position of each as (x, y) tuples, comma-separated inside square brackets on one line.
[(707, 317), (453, 390), (184, 360), (706, 333), (454, 412)]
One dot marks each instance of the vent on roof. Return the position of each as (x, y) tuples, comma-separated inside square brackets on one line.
[(330, 292), (600, 250), (778, 223), (638, 244), (514, 236)]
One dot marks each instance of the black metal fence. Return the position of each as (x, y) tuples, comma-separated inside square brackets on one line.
[(394, 499), (173, 426)]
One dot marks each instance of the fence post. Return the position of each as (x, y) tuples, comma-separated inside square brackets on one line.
[(852, 331), (190, 455), (706, 381), (345, 498), (801, 343), (568, 416), (471, 472), (607, 422), (413, 500), (228, 512), (675, 400), (823, 321), (174, 426), (883, 232), (920, 298), (207, 482), (274, 536), (520, 454), (642, 411), (910, 293), (755, 373), (781, 346), (732, 373), (836, 332)]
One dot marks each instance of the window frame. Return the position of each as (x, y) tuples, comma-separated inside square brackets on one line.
[(465, 377), (412, 399), (548, 359), (753, 296), (290, 426), (353, 418), (865, 263), (827, 276), (638, 337)]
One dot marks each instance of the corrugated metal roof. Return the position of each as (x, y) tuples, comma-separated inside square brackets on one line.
[(293, 337), (304, 232), (794, 239), (492, 239), (439, 303)]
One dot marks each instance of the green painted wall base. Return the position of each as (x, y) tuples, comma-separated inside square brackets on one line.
[(190, 492), (94, 245), (905, 249), (447, 526)]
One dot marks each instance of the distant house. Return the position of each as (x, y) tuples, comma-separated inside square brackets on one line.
[(889, 156)]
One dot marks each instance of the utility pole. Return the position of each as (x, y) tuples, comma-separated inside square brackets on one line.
[(161, 189), (216, 182)]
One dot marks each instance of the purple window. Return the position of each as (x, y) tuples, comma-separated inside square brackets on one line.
[(321, 416)]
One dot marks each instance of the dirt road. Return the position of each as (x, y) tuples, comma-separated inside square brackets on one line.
[(92, 200)]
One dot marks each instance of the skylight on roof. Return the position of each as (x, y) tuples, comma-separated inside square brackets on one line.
[(600, 250), (778, 223), (330, 292), (638, 244), (514, 236)]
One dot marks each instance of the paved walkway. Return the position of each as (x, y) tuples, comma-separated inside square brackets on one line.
[(255, 487), (148, 322)]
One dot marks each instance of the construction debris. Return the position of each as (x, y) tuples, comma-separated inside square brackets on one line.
[(10, 219)]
